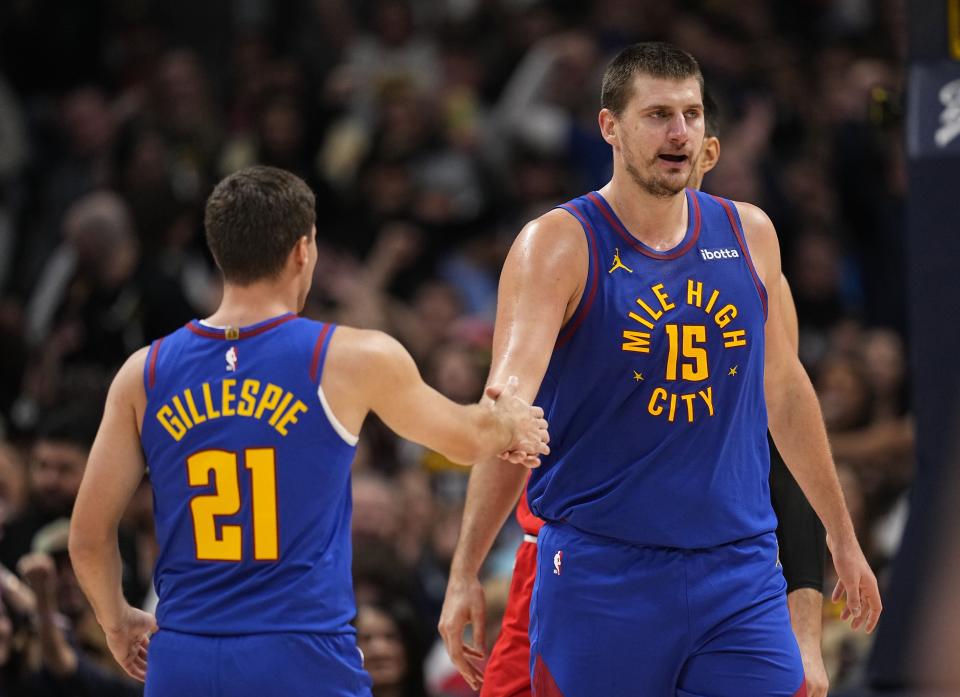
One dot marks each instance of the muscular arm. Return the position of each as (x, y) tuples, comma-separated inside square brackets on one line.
[(800, 537), (540, 286), (796, 424), (114, 470), (799, 534), (371, 371)]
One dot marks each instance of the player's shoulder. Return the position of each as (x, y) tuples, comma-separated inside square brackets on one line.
[(761, 238), (754, 219), (549, 245), (133, 367), (556, 225), (127, 386), (363, 350)]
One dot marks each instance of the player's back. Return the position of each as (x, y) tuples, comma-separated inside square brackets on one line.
[(251, 479)]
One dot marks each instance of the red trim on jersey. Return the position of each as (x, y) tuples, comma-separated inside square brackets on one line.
[(802, 692), (615, 223), (152, 370), (317, 350), (530, 523), (200, 330), (543, 683), (746, 252), (246, 334), (209, 333), (570, 329)]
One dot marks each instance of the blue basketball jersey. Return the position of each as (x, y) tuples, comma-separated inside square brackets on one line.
[(654, 391), (251, 481)]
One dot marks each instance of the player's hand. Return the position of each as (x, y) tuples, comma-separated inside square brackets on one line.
[(465, 604), (814, 672), (857, 582), (530, 435), (129, 639), (806, 618)]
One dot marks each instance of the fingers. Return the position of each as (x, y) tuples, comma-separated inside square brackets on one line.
[(478, 620), (451, 631), (863, 602), (135, 664), (524, 459), (473, 655), (853, 598), (876, 605), (837, 591), (493, 392), (462, 655)]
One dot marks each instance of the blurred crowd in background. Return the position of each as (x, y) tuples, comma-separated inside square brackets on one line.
[(430, 130)]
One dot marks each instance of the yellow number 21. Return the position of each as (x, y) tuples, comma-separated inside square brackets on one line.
[(225, 501)]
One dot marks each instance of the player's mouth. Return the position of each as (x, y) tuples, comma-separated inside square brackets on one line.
[(673, 159)]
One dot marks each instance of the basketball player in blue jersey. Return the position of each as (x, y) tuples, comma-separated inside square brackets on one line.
[(647, 316), (247, 422), (507, 672)]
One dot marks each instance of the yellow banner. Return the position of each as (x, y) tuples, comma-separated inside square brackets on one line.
[(953, 28)]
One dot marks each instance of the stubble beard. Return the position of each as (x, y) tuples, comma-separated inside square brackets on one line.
[(659, 186)]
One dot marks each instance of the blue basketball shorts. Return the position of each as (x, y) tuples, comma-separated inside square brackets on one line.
[(620, 620), (255, 665)]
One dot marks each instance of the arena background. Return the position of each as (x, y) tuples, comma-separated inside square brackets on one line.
[(431, 130)]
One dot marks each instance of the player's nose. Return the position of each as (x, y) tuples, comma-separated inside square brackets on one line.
[(677, 131)]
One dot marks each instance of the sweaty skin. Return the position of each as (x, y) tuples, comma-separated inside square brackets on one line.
[(541, 284)]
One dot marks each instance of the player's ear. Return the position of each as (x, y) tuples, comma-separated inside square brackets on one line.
[(608, 126), (301, 251), (710, 154)]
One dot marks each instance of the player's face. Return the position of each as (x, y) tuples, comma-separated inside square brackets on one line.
[(659, 134)]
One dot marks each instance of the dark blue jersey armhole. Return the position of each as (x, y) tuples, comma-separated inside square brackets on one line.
[(590, 287), (737, 225)]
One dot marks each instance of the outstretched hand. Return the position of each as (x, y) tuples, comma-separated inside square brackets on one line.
[(530, 435)]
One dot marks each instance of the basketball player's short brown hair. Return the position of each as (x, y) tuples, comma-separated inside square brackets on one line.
[(253, 219), (654, 58)]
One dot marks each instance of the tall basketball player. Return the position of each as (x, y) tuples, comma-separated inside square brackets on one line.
[(799, 539), (247, 422), (647, 316)]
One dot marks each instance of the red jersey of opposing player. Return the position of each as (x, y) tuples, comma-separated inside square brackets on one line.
[(508, 672)]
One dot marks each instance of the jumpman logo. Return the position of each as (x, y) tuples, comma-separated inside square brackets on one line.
[(617, 264)]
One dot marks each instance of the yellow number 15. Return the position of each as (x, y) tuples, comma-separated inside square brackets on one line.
[(684, 341), (225, 500)]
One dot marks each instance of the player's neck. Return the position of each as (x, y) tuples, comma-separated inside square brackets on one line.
[(242, 306), (658, 222)]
